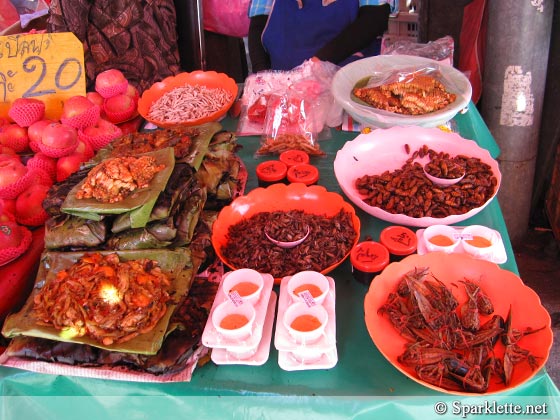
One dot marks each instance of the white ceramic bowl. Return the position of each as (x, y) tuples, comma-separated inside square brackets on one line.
[(441, 230), (308, 281), (237, 280), (385, 150), (483, 232), (381, 67), (300, 309), (226, 309)]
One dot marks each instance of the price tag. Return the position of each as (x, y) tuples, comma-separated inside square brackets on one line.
[(49, 67), (235, 298), (466, 236), (307, 298)]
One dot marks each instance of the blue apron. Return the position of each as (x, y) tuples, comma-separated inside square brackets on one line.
[(293, 34)]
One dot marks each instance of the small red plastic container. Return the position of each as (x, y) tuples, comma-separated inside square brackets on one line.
[(399, 240), (368, 258), (304, 173), (294, 157), (271, 172)]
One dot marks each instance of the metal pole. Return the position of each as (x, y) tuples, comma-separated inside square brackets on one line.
[(200, 34), (515, 66), (190, 32)]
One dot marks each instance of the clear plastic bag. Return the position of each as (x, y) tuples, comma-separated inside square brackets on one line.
[(289, 124), (401, 75), (441, 49), (296, 117), (408, 91), (310, 81)]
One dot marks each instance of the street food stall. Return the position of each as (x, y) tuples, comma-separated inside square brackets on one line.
[(436, 328)]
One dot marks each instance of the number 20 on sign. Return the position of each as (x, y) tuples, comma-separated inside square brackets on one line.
[(49, 67)]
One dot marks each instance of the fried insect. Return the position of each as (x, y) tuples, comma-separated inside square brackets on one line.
[(414, 95), (448, 345), (329, 240), (180, 138), (407, 190)]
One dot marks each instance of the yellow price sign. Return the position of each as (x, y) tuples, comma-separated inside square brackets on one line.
[(49, 67)]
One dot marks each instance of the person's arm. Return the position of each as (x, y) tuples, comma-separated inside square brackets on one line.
[(260, 59), (372, 21)]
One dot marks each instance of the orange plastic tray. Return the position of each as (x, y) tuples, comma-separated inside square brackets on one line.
[(504, 289), (210, 79), (280, 197)]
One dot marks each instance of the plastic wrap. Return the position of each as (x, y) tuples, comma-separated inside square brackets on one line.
[(441, 49), (295, 118), (298, 102), (408, 91), (382, 66)]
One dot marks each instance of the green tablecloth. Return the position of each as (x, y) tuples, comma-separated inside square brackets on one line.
[(362, 384)]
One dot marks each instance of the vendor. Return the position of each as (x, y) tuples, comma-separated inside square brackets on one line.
[(285, 33)]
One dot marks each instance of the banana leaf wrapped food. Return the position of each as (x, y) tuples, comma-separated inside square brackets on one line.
[(172, 221), (176, 265), (181, 350), (206, 175), (222, 172), (178, 188), (160, 234), (120, 195), (177, 357), (71, 232), (190, 144), (174, 231), (57, 193), (173, 218)]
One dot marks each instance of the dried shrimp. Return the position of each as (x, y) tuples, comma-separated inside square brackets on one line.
[(109, 300)]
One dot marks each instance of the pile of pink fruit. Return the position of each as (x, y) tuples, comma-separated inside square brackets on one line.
[(36, 152)]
